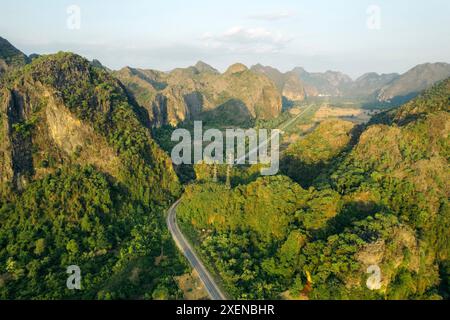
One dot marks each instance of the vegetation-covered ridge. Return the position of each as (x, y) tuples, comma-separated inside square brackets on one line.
[(82, 183), (75, 106), (382, 202), (11, 56)]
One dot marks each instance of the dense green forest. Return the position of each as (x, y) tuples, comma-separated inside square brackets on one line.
[(84, 184), (381, 201), (77, 217)]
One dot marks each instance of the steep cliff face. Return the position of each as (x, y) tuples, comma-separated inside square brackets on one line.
[(298, 84), (16, 140), (60, 110), (39, 134), (187, 94), (77, 138)]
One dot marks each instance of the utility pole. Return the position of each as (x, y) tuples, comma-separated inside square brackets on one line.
[(215, 171), (230, 164)]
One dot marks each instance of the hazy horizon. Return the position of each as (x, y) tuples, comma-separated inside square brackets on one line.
[(360, 37), (222, 70)]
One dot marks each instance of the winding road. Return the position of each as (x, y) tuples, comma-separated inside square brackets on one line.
[(212, 288)]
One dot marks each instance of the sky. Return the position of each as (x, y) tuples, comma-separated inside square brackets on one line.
[(352, 36)]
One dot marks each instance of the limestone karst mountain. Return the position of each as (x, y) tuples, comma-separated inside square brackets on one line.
[(81, 180), (61, 109), (289, 84), (189, 93)]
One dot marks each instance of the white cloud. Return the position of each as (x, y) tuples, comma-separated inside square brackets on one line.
[(272, 16), (240, 39)]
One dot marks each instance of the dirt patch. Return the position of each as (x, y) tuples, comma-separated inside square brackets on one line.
[(192, 287), (287, 295), (351, 114)]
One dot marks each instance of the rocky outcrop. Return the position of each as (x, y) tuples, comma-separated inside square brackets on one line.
[(77, 139), (16, 149), (389, 255), (37, 129)]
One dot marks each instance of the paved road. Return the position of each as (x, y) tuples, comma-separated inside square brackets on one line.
[(211, 287)]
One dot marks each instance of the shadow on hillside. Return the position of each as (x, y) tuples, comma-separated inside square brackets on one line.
[(351, 212), (233, 112), (142, 113), (194, 102), (393, 103), (305, 173), (301, 172)]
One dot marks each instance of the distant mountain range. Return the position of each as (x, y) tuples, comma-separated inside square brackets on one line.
[(411, 83), (239, 95), (392, 88)]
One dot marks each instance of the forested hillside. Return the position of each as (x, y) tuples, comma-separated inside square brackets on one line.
[(82, 183), (381, 202)]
